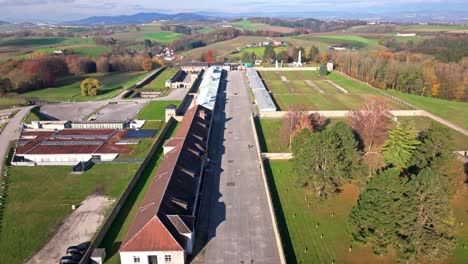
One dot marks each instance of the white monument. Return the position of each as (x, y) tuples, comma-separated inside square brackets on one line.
[(277, 64)]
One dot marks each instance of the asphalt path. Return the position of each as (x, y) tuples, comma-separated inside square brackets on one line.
[(234, 215)]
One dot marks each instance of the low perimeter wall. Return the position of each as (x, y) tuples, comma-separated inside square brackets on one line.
[(107, 224), (277, 156), (287, 69), (280, 114)]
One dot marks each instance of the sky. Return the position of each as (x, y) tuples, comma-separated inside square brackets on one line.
[(67, 10)]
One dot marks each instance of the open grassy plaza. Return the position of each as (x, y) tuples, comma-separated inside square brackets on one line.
[(158, 84), (314, 92), (155, 110), (68, 89)]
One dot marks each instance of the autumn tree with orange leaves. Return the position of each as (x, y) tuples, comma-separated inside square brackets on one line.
[(370, 121)]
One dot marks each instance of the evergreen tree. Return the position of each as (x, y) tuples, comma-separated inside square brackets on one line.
[(323, 71), (400, 145), (436, 149)]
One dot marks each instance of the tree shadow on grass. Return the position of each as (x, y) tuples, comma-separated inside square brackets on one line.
[(280, 218)]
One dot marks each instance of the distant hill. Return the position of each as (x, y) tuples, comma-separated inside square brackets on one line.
[(3, 23), (140, 18)]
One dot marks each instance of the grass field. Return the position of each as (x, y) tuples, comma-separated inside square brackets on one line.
[(39, 198), (6, 103), (323, 41), (303, 219), (158, 84), (295, 91), (420, 123), (452, 111), (69, 88), (119, 227), (155, 110), (247, 25), (162, 37), (205, 30), (350, 38), (267, 131), (434, 28)]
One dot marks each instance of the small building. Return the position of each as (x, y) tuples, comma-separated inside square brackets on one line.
[(258, 62), (182, 79), (330, 66), (54, 125), (99, 125)]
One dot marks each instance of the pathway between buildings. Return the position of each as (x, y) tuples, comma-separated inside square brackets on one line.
[(235, 217)]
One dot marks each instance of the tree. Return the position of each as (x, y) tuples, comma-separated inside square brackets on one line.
[(373, 220), (323, 160), (103, 64), (147, 64), (148, 43), (209, 56), (370, 121), (435, 150), (90, 87), (5, 86), (400, 145), (245, 58), (323, 71)]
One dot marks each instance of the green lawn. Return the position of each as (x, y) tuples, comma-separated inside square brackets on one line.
[(247, 25), (39, 198), (420, 123), (351, 38), (259, 51), (155, 110), (34, 115), (295, 90), (163, 36), (84, 50), (69, 88), (6, 103), (205, 30), (303, 219), (268, 134), (452, 111), (119, 227), (159, 83)]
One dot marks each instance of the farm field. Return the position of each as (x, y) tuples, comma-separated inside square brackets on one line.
[(155, 110), (451, 110), (259, 51), (33, 211), (323, 41), (158, 84), (432, 28), (162, 37), (119, 227), (6, 103), (301, 226), (247, 25), (14, 47), (69, 88), (297, 88)]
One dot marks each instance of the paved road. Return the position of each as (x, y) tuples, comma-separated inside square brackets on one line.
[(234, 212), (10, 132)]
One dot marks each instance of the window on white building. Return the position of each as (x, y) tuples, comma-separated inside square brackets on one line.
[(136, 260), (167, 258)]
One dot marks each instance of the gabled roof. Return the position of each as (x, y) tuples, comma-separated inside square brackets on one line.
[(171, 196)]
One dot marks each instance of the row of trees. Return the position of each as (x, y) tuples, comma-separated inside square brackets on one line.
[(42, 71), (309, 24), (407, 72), (406, 206)]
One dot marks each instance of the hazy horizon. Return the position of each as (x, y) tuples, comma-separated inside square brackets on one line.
[(67, 10)]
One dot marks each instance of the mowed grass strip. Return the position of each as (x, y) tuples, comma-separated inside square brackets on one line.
[(39, 198), (119, 227), (159, 82), (313, 230), (69, 88), (6, 103), (155, 110), (455, 112)]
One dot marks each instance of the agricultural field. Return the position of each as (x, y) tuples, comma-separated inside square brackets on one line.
[(314, 230), (303, 219), (119, 227), (151, 31), (247, 25), (68, 89), (33, 211), (432, 28), (158, 84), (314, 92), (15, 47), (259, 51), (323, 41), (6, 102), (165, 37), (155, 110)]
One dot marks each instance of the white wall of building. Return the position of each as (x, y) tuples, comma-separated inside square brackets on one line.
[(177, 257)]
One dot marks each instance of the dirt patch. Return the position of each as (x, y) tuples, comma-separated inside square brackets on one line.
[(77, 228)]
